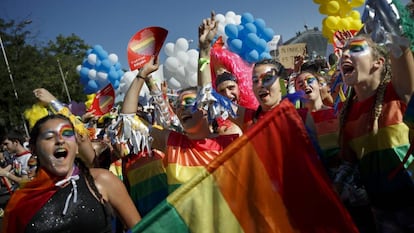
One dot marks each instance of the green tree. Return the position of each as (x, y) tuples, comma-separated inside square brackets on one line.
[(32, 66)]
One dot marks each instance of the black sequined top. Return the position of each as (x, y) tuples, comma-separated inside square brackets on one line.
[(86, 215)]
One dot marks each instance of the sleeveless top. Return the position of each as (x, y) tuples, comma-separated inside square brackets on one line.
[(86, 215)]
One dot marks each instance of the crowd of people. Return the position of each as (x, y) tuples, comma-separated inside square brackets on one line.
[(64, 177)]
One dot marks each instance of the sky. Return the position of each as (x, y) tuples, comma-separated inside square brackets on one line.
[(112, 23)]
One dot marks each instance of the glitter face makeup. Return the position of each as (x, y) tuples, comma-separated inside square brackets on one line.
[(357, 47), (187, 100), (65, 132)]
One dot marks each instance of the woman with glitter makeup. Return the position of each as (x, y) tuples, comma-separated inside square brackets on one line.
[(373, 137), (66, 195)]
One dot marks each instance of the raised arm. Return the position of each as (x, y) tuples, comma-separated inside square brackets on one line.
[(86, 151), (403, 71), (130, 104), (206, 33)]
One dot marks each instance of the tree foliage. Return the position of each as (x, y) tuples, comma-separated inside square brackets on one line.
[(32, 66)]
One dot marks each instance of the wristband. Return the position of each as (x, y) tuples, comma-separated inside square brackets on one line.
[(203, 62), (56, 105), (139, 76)]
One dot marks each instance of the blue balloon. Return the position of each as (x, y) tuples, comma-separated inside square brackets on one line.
[(105, 66), (246, 18), (231, 31), (86, 64), (115, 84), (92, 85), (120, 74), (84, 79), (261, 45), (113, 75), (84, 71), (235, 45), (118, 66), (260, 24), (100, 52), (264, 55), (252, 56), (268, 34), (252, 40), (248, 28)]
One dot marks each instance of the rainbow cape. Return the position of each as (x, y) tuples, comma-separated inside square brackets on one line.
[(268, 180)]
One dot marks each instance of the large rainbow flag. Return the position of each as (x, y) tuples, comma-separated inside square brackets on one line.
[(268, 180)]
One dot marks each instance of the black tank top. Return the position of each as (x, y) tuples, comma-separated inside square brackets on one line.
[(86, 215)]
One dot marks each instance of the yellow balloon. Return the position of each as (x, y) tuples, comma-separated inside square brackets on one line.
[(332, 7), (357, 3), (355, 24), (323, 9), (331, 21), (355, 15), (343, 24)]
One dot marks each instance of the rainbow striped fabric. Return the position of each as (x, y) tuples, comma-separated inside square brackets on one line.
[(268, 180)]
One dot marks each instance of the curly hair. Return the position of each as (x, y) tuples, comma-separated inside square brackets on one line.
[(234, 64)]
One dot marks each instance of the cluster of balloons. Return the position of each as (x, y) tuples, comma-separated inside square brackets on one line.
[(127, 79), (249, 39), (180, 66), (229, 18), (98, 69), (340, 16)]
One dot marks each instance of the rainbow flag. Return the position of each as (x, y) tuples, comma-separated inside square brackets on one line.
[(268, 180)]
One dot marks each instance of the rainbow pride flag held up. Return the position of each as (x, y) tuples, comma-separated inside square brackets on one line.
[(268, 180)]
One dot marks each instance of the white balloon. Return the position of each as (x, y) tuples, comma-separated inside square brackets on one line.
[(171, 63), (158, 75), (192, 80), (230, 21), (102, 76), (230, 14), (180, 73), (237, 19), (220, 18), (113, 58), (181, 45), (126, 80), (192, 54), (182, 57), (92, 59), (173, 83), (92, 74), (169, 49), (78, 68)]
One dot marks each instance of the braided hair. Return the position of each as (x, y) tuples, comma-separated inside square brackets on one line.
[(377, 52)]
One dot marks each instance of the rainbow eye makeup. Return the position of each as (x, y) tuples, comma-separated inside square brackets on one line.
[(187, 100), (66, 131), (63, 132), (357, 47)]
